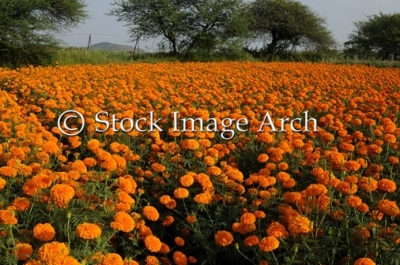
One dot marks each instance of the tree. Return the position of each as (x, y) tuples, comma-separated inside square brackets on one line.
[(379, 35), (186, 25), (286, 24), (27, 28)]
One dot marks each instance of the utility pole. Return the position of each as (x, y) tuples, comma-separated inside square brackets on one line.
[(89, 45)]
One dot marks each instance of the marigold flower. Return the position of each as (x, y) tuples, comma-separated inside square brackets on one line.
[(251, 241), (53, 253), (262, 158), (191, 219), (180, 258), (388, 207), (7, 217), (248, 218), (168, 220), (151, 213), (61, 194), (364, 261), (214, 171), (186, 180), (112, 259), (22, 251), (223, 238), (21, 204), (268, 244), (7, 171), (152, 243), (123, 222), (190, 144), (179, 241), (181, 193), (44, 232), (277, 230), (299, 225), (152, 260), (88, 231), (157, 167), (386, 185), (353, 201)]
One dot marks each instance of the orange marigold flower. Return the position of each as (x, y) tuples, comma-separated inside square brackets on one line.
[(248, 218), (367, 184), (53, 253), (364, 261), (168, 220), (7, 171), (186, 180), (164, 199), (352, 165), (388, 207), (251, 241), (181, 193), (259, 214), (44, 232), (157, 167), (179, 241), (316, 190), (268, 244), (190, 144), (112, 259), (151, 213), (21, 204), (88, 231), (61, 194), (7, 217), (386, 185), (152, 260), (353, 201), (277, 230), (90, 162), (152, 243), (299, 225), (123, 222), (393, 160), (180, 258), (214, 171), (191, 219), (22, 251), (223, 238), (262, 158)]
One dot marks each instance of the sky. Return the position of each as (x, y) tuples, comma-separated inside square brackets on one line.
[(339, 14)]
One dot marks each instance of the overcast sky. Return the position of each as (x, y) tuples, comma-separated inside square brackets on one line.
[(339, 14)]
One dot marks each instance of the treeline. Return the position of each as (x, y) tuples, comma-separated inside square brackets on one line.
[(198, 30)]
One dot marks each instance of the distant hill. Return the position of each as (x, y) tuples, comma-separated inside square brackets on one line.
[(108, 46)]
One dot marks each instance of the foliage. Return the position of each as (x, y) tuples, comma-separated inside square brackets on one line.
[(185, 26), (27, 27), (379, 35), (286, 24)]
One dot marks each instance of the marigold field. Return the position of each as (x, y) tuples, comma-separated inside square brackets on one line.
[(261, 197)]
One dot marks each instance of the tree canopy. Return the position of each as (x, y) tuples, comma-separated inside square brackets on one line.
[(286, 24), (377, 35), (27, 27), (185, 25)]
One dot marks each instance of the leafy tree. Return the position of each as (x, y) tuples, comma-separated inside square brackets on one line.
[(379, 35), (27, 28), (186, 25), (286, 24)]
